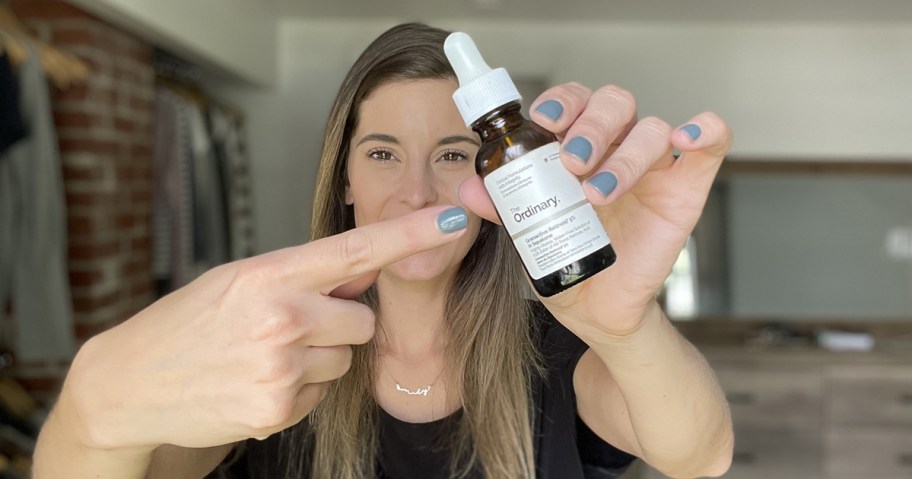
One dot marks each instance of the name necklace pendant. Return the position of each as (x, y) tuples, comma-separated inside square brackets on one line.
[(418, 392)]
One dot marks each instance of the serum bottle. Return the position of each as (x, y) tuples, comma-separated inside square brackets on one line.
[(541, 204)]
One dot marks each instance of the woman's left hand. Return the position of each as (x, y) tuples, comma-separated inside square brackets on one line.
[(648, 201)]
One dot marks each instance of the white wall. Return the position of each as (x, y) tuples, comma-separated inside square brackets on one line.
[(286, 122), (788, 90), (231, 39)]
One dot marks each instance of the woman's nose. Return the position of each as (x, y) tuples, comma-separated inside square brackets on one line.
[(417, 187)]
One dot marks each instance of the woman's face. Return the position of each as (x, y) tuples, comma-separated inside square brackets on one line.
[(411, 150)]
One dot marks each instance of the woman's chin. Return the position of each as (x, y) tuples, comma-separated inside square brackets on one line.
[(424, 266)]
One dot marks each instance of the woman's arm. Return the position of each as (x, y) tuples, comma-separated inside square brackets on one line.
[(61, 453), (246, 350), (652, 394), (642, 386), (65, 449)]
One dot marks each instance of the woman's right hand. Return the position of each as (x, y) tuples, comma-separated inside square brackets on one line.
[(246, 350)]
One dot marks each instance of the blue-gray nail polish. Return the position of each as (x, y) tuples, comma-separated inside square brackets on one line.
[(605, 182), (551, 108), (693, 130), (453, 219), (580, 148)]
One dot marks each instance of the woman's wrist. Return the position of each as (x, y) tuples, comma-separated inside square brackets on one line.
[(76, 422), (87, 405), (654, 336), (78, 432), (66, 448), (637, 326)]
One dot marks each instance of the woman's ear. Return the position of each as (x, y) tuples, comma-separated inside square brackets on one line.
[(349, 200)]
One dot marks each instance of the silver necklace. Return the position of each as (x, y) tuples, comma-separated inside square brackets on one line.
[(418, 392)]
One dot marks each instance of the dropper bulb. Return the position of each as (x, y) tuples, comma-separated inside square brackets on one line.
[(464, 57), (481, 89)]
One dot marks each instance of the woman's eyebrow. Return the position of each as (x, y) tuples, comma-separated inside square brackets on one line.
[(449, 140), (378, 137)]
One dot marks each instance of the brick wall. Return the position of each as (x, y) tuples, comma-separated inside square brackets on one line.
[(105, 132)]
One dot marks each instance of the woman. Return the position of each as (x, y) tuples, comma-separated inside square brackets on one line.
[(458, 375)]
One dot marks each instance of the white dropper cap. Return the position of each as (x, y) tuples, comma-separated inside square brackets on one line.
[(481, 89)]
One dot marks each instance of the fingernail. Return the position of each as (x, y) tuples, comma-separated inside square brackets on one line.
[(551, 108), (580, 148), (692, 130), (453, 219), (605, 182)]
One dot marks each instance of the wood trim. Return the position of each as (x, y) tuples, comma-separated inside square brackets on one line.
[(732, 330), (827, 167)]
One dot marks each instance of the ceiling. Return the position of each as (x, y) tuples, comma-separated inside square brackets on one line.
[(892, 11)]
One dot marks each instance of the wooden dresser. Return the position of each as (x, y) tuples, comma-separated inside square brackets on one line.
[(805, 413)]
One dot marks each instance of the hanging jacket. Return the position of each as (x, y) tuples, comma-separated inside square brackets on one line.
[(33, 234)]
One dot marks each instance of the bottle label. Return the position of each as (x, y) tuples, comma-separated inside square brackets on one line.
[(543, 207)]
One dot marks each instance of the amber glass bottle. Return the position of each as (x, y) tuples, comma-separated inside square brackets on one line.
[(541, 204)]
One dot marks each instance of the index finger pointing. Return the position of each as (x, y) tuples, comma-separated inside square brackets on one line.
[(329, 262)]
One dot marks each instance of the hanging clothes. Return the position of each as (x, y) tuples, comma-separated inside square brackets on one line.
[(33, 241), (12, 128), (210, 237), (172, 253), (244, 228), (203, 213), (234, 166)]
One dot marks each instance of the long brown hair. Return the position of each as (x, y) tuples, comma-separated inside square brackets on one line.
[(489, 333)]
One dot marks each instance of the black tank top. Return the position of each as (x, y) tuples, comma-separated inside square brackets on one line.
[(565, 448)]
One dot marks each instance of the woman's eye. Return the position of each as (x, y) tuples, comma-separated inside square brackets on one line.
[(453, 156), (380, 154)]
